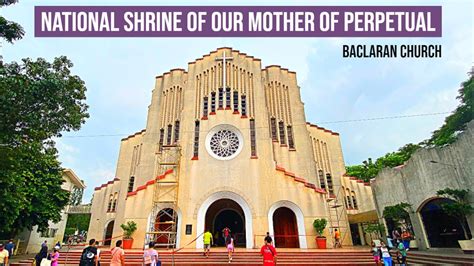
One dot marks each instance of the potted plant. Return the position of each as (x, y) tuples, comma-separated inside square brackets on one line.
[(128, 229), (319, 225), (459, 208)]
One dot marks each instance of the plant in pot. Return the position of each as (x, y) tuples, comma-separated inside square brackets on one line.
[(459, 208), (128, 229), (319, 225)]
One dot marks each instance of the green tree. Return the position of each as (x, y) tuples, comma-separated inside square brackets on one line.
[(9, 30), (76, 196), (38, 100), (399, 214), (79, 221), (453, 125), (456, 122), (459, 208), (375, 230)]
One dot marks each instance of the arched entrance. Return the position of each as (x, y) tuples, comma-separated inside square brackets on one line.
[(285, 228), (242, 203), (442, 230), (226, 213), (109, 230), (166, 228)]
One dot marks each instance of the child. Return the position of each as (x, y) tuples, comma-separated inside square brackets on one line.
[(375, 253), (230, 246), (387, 259), (402, 254)]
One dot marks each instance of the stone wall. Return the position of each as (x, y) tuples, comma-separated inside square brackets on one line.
[(419, 179)]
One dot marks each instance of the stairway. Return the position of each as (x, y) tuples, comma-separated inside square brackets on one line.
[(286, 257), (244, 257)]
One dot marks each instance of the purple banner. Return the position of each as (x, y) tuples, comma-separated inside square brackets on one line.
[(238, 21)]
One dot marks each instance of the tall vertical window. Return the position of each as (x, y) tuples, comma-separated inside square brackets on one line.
[(322, 181), (196, 140), (330, 184), (176, 131), (354, 201), (213, 102), (114, 203), (169, 133), (221, 98), (345, 200), (291, 142), (253, 140), (236, 102), (205, 107), (109, 206), (281, 127), (243, 103), (227, 98), (273, 127), (348, 198), (162, 136), (131, 183)]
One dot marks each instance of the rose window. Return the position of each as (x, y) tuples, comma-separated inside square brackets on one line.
[(224, 142)]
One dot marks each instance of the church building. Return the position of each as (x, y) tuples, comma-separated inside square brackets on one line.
[(226, 144)]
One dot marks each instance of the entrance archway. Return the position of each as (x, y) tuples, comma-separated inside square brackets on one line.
[(247, 215), (166, 226), (109, 230), (285, 228), (226, 213), (442, 230), (296, 212)]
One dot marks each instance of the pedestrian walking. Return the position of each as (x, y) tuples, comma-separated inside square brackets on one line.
[(337, 239), (10, 247), (269, 254), (375, 253), (55, 256), (230, 247), (402, 254), (268, 239), (42, 254), (118, 255), (45, 244), (396, 235), (89, 256), (208, 241), (150, 256), (3, 256), (98, 252), (406, 238), (387, 258)]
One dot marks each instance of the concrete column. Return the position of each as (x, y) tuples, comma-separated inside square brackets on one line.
[(419, 230), (361, 234)]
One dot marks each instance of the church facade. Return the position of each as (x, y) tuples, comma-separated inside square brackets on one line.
[(226, 144)]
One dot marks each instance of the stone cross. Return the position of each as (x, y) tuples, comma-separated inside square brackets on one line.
[(223, 59)]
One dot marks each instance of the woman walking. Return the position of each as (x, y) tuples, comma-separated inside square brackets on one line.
[(230, 246), (55, 256), (150, 256)]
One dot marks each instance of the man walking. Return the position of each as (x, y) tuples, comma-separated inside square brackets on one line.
[(10, 247), (3, 256), (118, 255), (268, 238), (337, 238), (269, 254), (207, 239), (89, 255)]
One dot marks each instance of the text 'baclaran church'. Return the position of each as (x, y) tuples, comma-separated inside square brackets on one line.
[(226, 145)]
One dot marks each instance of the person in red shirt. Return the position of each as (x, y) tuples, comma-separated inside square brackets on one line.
[(269, 254)]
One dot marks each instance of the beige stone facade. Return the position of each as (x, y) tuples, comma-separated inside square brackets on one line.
[(246, 145)]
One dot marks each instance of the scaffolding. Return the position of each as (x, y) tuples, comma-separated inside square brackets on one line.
[(338, 219), (164, 218)]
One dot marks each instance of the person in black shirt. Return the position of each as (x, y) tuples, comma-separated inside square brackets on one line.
[(268, 238)]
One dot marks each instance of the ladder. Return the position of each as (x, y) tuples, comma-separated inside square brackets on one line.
[(337, 213), (163, 224)]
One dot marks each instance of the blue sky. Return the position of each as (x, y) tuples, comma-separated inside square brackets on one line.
[(119, 74)]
